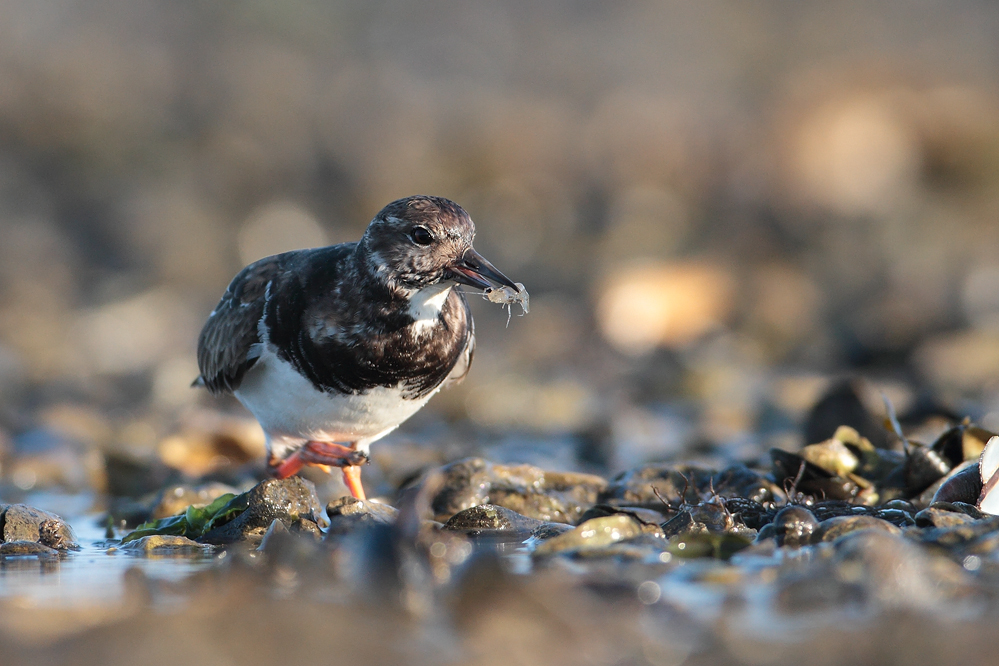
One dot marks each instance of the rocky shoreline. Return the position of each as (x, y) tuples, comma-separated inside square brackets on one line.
[(837, 557)]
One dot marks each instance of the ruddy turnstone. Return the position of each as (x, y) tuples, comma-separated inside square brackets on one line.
[(332, 348)]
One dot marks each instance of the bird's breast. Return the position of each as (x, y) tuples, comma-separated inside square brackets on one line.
[(412, 347), (288, 405)]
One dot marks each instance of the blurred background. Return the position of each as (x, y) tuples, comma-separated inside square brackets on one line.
[(719, 209)]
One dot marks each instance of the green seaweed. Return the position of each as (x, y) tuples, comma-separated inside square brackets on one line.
[(195, 521)]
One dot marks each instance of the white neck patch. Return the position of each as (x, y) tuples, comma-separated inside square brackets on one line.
[(425, 305)]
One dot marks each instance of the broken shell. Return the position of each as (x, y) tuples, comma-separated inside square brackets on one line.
[(974, 440), (831, 455), (988, 500), (812, 479)]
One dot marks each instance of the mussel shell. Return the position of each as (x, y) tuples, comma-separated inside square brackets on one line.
[(750, 512), (963, 485), (814, 480), (950, 445), (922, 468)]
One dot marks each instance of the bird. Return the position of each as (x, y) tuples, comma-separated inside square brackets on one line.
[(332, 348)]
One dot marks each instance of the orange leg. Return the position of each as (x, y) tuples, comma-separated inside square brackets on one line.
[(352, 477), (324, 455), (289, 466)]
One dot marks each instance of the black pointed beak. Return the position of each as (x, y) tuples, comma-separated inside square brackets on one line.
[(473, 269)]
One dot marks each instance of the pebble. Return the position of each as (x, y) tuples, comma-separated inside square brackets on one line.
[(489, 518), (592, 535), (165, 544), (528, 490), (293, 501), (25, 523), (347, 514)]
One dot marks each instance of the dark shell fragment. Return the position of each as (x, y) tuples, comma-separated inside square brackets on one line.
[(963, 485), (809, 479)]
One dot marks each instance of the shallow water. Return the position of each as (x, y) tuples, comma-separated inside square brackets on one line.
[(92, 575), (555, 610)]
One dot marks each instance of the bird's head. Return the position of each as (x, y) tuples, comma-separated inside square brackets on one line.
[(421, 241)]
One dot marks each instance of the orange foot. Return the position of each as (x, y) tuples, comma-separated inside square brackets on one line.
[(326, 454)]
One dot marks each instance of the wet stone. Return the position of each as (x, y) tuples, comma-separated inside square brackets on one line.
[(594, 534), (287, 500), (644, 548), (648, 516), (347, 514), (962, 507), (643, 486), (491, 518), (547, 531), (894, 571), (26, 523), (834, 528), (794, 526), (530, 491), (306, 527), (948, 514), (958, 536), (22, 548), (767, 534), (165, 544), (289, 546)]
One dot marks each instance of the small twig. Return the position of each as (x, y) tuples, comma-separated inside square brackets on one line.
[(792, 490), (893, 420), (656, 492)]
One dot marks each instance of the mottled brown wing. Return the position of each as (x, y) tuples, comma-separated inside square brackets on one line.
[(464, 363), (226, 345)]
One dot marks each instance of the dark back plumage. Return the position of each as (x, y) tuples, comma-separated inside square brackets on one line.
[(339, 314)]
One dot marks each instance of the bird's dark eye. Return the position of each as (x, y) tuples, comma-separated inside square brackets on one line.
[(421, 236)]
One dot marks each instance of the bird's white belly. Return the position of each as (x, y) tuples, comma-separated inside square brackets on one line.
[(291, 411)]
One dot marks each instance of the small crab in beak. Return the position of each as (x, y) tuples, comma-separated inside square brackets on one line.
[(474, 270)]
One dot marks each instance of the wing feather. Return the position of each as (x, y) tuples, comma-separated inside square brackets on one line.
[(464, 364), (229, 343)]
